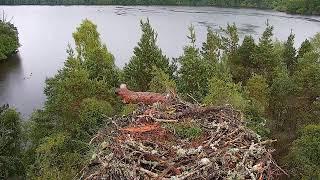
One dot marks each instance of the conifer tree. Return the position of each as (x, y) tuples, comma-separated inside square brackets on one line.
[(138, 72), (304, 48), (243, 66), (211, 51), (192, 79), (265, 58), (289, 54), (230, 40)]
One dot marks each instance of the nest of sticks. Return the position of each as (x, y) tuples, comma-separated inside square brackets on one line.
[(180, 141)]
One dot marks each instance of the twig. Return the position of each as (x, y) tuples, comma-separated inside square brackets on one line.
[(194, 99), (165, 120), (149, 173)]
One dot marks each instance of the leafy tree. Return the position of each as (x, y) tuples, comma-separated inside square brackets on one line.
[(224, 91), (9, 40), (258, 93), (283, 90), (138, 72), (93, 54), (11, 160), (304, 157), (79, 98), (161, 82)]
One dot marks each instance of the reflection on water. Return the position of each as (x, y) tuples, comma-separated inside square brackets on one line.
[(45, 31), (11, 74)]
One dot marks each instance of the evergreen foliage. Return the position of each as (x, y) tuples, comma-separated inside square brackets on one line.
[(304, 48), (138, 73), (192, 79), (289, 54)]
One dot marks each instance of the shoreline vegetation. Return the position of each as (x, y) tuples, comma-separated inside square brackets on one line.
[(9, 39), (303, 7)]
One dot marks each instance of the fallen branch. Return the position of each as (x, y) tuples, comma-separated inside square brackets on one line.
[(141, 97)]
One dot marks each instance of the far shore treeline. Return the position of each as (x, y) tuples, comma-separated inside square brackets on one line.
[(310, 7), (273, 84)]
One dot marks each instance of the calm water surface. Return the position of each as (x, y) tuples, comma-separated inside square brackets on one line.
[(46, 31)]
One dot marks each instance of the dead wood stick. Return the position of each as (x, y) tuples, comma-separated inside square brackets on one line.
[(141, 97), (149, 173), (165, 120)]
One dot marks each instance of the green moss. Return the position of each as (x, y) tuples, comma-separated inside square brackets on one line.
[(186, 130)]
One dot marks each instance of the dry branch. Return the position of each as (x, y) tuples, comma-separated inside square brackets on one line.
[(141, 97)]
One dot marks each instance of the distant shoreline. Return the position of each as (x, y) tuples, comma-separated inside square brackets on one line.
[(170, 5), (155, 5)]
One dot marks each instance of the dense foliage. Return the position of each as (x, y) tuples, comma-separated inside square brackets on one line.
[(304, 157), (138, 73), (9, 40), (275, 85), (11, 163), (79, 98), (290, 6)]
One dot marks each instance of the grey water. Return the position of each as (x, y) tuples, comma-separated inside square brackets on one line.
[(45, 32)]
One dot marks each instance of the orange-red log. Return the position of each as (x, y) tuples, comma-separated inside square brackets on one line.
[(128, 96)]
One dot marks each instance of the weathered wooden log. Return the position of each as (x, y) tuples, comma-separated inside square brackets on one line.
[(128, 96)]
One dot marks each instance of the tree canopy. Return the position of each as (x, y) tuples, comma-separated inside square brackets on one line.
[(82, 93)]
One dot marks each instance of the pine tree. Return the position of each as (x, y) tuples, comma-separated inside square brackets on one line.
[(243, 66), (138, 72), (265, 59), (192, 79), (211, 51), (304, 48), (289, 54), (231, 39)]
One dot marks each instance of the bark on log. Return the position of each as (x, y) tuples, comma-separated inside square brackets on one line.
[(128, 96)]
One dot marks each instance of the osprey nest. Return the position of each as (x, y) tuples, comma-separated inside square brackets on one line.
[(178, 140)]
